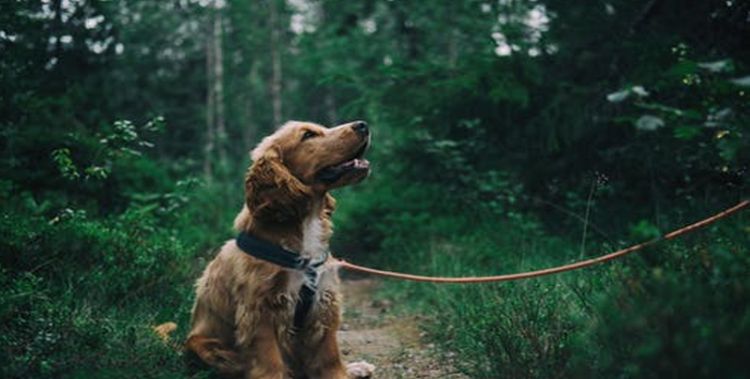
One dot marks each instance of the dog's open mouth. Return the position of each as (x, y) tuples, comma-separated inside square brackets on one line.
[(355, 166)]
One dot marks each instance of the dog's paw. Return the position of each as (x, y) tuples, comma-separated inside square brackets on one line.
[(359, 370), (164, 330)]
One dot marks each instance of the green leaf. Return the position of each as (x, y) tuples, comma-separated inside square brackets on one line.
[(728, 148), (649, 123), (645, 230), (716, 67), (742, 82), (683, 68), (65, 164), (686, 132), (689, 113)]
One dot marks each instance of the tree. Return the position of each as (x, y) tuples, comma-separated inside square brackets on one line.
[(275, 46), (216, 132)]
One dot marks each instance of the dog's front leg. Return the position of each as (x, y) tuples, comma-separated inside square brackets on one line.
[(264, 355), (322, 359)]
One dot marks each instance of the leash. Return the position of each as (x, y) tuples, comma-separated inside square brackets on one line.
[(552, 270)]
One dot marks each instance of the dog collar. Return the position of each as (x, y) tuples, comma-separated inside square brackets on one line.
[(279, 256)]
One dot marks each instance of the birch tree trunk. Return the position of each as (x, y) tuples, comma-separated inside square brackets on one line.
[(220, 128), (210, 135), (249, 132), (216, 134), (275, 63)]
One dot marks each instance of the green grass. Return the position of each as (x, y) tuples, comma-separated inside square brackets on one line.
[(82, 292), (682, 308), (679, 309)]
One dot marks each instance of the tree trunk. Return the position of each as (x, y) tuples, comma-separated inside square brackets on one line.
[(329, 100), (57, 28), (407, 32), (330, 107), (275, 63), (250, 131), (453, 47), (220, 128), (210, 134), (216, 133)]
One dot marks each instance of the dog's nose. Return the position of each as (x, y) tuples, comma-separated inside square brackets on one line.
[(361, 128)]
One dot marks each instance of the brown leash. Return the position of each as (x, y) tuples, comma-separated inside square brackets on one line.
[(553, 270)]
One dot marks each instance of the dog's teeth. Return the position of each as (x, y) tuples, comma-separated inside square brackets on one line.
[(361, 163)]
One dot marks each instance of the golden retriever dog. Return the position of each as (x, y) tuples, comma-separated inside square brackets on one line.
[(246, 321)]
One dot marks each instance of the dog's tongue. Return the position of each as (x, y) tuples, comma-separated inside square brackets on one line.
[(333, 173)]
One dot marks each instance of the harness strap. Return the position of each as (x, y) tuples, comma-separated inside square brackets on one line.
[(279, 256), (305, 302)]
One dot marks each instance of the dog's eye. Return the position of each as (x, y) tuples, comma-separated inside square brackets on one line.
[(309, 134)]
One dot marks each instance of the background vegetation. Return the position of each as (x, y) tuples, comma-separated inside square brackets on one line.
[(509, 135)]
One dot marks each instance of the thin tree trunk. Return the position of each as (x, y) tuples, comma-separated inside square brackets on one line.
[(453, 45), (330, 107), (220, 128), (57, 28), (329, 100), (210, 113), (275, 64), (408, 33), (250, 130)]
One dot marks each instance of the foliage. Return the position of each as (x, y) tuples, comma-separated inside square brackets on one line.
[(678, 308), (83, 291), (85, 281)]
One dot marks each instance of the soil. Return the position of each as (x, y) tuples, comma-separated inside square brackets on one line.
[(393, 343)]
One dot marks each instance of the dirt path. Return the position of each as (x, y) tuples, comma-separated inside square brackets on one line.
[(395, 345)]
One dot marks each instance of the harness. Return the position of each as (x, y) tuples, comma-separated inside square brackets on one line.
[(279, 256)]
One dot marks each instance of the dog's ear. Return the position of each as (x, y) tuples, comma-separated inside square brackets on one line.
[(272, 192)]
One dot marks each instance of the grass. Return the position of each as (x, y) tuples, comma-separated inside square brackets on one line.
[(82, 292), (681, 308)]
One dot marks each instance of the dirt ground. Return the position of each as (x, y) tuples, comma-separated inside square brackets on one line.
[(394, 344)]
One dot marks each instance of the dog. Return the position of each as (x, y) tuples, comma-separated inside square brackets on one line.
[(254, 318)]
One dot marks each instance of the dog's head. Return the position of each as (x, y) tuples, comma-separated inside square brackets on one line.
[(302, 160)]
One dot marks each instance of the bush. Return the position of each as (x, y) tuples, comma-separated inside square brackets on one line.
[(82, 293), (84, 283)]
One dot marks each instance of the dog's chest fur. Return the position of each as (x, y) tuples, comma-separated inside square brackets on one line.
[(316, 231)]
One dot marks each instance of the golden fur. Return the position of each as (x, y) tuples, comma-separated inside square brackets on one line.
[(244, 307)]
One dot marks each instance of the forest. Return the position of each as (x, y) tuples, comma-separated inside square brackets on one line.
[(508, 135)]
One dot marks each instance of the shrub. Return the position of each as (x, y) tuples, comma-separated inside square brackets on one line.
[(681, 308)]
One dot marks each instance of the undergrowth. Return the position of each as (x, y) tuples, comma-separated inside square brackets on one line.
[(92, 257), (85, 275), (82, 293), (680, 309)]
